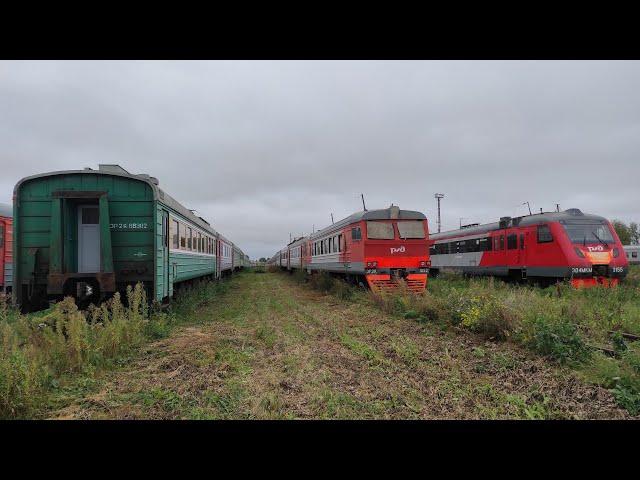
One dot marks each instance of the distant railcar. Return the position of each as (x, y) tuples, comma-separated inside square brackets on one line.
[(377, 246), (632, 253), (6, 249), (545, 247), (89, 233)]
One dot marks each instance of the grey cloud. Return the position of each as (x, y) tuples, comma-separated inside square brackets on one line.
[(265, 148)]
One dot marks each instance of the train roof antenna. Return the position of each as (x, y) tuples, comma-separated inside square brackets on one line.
[(363, 205), (332, 222), (527, 204)]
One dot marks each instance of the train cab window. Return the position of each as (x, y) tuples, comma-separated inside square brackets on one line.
[(512, 241), (411, 229), (380, 231), (356, 234), (522, 241), (544, 234)]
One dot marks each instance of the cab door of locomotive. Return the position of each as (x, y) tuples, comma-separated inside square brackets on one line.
[(512, 248), (523, 238), (500, 252)]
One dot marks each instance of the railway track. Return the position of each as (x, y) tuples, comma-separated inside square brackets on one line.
[(611, 352)]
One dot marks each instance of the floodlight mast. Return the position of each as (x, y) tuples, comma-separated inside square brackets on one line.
[(439, 196)]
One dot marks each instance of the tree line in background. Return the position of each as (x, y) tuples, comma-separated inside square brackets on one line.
[(629, 234)]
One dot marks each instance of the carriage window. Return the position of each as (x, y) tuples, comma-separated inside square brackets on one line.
[(356, 234), (189, 238), (175, 239), (90, 216), (380, 230), (544, 234), (634, 254), (340, 242), (512, 241), (183, 236), (411, 229), (484, 244)]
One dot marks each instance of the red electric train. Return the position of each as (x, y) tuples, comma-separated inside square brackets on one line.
[(544, 248), (379, 246), (6, 250)]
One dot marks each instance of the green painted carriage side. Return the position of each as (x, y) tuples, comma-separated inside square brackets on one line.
[(40, 229), (183, 265)]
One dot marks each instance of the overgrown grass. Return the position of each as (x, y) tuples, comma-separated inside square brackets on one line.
[(39, 352), (559, 322)]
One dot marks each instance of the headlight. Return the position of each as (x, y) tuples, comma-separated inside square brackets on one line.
[(616, 252)]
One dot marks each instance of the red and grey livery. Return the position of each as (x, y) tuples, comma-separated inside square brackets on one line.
[(6, 251), (380, 245), (544, 247)]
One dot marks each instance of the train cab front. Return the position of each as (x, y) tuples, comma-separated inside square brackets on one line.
[(396, 251), (597, 256)]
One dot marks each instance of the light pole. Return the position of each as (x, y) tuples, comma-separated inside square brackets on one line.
[(438, 197)]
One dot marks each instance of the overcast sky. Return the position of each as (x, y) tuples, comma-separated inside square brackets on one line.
[(263, 149)]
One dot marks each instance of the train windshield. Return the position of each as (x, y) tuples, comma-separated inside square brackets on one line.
[(380, 231), (412, 229), (589, 233)]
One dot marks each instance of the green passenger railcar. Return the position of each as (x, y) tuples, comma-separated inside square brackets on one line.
[(89, 233)]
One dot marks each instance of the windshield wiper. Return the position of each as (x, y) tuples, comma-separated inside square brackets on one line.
[(601, 241)]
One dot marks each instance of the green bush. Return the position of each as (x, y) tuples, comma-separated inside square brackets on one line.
[(342, 289), (322, 281), (37, 351), (559, 339), (300, 275)]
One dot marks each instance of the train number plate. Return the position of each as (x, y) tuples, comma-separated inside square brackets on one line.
[(130, 226)]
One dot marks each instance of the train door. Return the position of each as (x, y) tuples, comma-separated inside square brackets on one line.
[(2, 256), (88, 239), (513, 252), (522, 249), (500, 252), (165, 254), (218, 258)]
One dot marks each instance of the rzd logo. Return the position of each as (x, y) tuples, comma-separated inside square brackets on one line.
[(397, 250), (597, 248)]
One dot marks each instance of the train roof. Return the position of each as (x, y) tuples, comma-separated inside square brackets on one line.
[(572, 215), (118, 171), (393, 212), (6, 210)]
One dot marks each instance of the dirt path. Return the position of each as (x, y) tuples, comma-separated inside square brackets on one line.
[(270, 348)]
